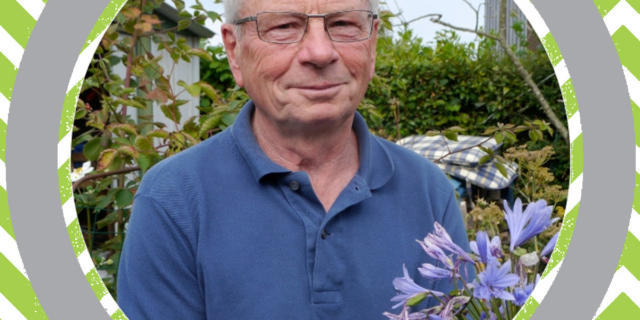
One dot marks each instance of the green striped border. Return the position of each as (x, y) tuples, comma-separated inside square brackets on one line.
[(17, 22), (17, 298), (575, 181), (622, 299), (64, 165)]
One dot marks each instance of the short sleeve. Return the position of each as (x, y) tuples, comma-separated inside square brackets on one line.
[(157, 275)]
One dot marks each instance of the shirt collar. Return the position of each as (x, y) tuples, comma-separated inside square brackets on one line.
[(376, 166)]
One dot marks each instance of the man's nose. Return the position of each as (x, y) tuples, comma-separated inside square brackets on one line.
[(317, 48)]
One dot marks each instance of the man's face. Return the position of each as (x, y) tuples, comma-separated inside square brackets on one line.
[(312, 82)]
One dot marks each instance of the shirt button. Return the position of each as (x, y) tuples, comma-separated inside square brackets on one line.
[(324, 234), (294, 185)]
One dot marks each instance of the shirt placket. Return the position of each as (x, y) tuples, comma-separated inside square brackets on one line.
[(325, 266)]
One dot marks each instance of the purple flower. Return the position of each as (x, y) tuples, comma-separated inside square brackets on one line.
[(493, 281), (525, 225), (447, 312), (405, 315), (430, 271), (442, 239), (521, 293), (550, 245), (487, 251), (406, 289), (434, 251)]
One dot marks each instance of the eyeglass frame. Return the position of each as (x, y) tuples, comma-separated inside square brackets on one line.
[(373, 15)]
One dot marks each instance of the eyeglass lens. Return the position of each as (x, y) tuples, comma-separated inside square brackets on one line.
[(289, 27)]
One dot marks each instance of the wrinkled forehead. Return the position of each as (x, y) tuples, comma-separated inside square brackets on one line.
[(251, 7)]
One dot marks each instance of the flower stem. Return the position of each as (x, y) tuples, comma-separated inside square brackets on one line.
[(496, 309)]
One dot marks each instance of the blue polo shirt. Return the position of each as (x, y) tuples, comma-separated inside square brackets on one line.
[(219, 231)]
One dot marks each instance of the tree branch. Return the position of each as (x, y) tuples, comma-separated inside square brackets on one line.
[(526, 76), (84, 179)]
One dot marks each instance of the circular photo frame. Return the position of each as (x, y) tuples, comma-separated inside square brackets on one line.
[(45, 49)]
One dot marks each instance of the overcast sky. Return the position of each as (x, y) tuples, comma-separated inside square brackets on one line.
[(456, 12)]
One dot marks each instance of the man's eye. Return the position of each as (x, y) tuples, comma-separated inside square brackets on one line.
[(285, 26), (342, 23)]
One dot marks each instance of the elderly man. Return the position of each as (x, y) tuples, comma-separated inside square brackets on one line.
[(296, 211)]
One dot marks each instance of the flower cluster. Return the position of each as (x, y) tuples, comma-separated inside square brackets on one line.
[(503, 281)]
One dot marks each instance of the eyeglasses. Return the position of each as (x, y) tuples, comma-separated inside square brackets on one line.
[(290, 27)]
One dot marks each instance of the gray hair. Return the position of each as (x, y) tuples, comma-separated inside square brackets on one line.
[(232, 9)]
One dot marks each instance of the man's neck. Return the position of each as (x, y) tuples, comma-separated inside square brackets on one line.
[(330, 157)]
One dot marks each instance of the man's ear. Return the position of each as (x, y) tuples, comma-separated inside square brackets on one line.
[(230, 39), (373, 46)]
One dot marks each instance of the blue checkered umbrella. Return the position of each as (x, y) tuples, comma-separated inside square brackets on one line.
[(460, 158)]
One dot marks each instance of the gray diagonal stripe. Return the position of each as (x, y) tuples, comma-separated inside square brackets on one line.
[(609, 160), (32, 139)]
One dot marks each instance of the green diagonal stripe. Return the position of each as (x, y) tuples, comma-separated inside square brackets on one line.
[(68, 111), (5, 218), (526, 311), (16, 21), (569, 98), (621, 308), (553, 51), (118, 315), (629, 257), (96, 284), (635, 4), (568, 224), (64, 182), (576, 158), (105, 20), (75, 236), (628, 47), (17, 289), (604, 6), (8, 74)]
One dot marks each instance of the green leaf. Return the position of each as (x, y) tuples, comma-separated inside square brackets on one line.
[(194, 90), (91, 149), (153, 72), (209, 91), (416, 299), (214, 15), (535, 135), (501, 169), (131, 103), (183, 24), (144, 144), (105, 201), (202, 54), (484, 160), (499, 137), (158, 133), (124, 197), (105, 158), (209, 124), (128, 150), (144, 162), (108, 220), (451, 135), (179, 4), (122, 129), (172, 112)]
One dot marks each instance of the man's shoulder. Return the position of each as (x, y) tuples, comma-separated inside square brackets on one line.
[(408, 160), (187, 165)]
